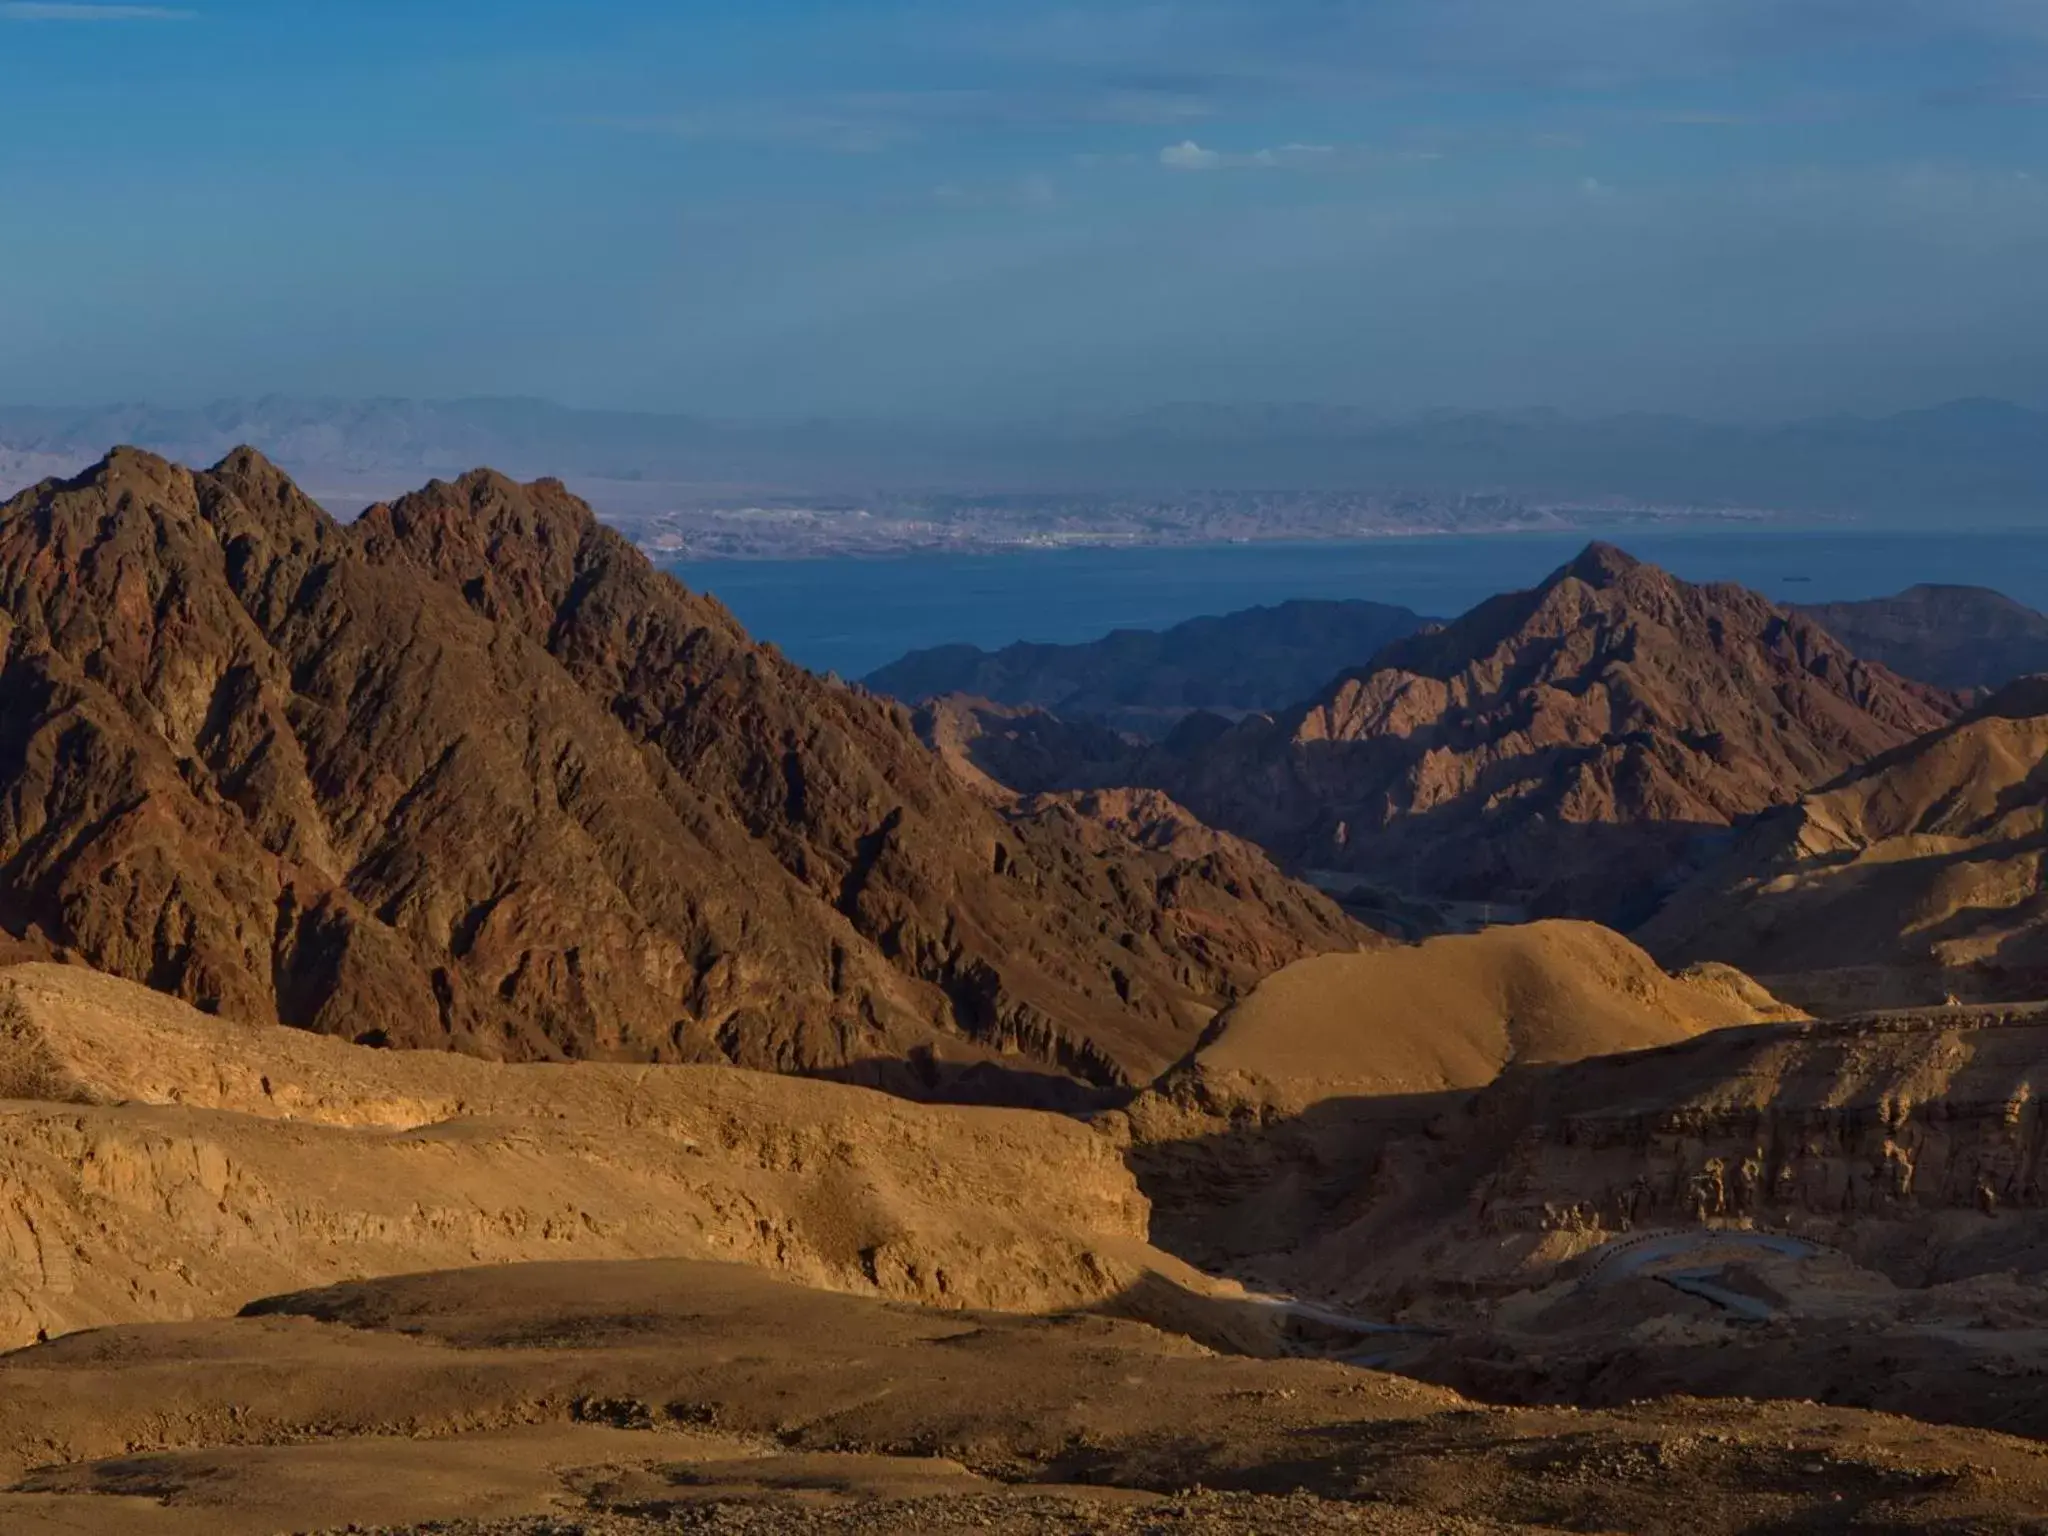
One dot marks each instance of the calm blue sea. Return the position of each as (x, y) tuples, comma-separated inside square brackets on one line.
[(851, 616)]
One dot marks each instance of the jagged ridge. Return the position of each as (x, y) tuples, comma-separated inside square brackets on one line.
[(471, 772), (1559, 747)]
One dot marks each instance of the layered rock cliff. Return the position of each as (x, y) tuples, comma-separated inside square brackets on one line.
[(1958, 637)]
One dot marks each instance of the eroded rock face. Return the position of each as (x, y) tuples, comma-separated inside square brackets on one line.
[(1563, 748), (472, 773), (1852, 1212), (1909, 1143), (1913, 877), (1846, 1128), (157, 1163)]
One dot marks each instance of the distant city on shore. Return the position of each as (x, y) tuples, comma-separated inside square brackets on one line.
[(697, 488)]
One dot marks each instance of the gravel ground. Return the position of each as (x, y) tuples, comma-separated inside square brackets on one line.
[(1020, 1514)]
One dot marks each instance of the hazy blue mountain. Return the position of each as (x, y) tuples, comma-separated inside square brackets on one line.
[(1146, 680), (1985, 460)]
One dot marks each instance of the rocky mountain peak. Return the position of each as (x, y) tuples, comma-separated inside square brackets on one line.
[(1600, 564), (1560, 749), (472, 773)]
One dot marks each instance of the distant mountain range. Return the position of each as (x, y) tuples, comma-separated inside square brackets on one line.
[(1984, 460), (1561, 749), (1568, 750), (1146, 680)]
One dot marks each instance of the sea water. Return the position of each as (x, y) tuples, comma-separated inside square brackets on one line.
[(851, 616)]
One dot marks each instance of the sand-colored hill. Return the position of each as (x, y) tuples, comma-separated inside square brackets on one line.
[(1329, 1090), (157, 1163), (616, 1398), (1451, 1013), (1914, 876)]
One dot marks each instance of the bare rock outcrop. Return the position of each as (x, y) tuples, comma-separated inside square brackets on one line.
[(1564, 749), (472, 773), (159, 1164), (1913, 877)]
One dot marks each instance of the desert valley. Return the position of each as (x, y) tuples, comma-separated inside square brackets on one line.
[(1029, 767), (487, 1046)]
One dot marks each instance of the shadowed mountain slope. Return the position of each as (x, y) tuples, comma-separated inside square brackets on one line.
[(1561, 748), (1913, 876), (1145, 680), (471, 773), (1957, 637)]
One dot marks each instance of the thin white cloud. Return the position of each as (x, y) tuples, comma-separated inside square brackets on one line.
[(23, 10), (1187, 155)]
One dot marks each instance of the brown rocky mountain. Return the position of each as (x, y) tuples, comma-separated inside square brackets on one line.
[(1563, 748), (470, 772), (1912, 877), (1958, 637), (1145, 680)]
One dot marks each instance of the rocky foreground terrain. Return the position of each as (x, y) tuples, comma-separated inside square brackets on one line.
[(667, 1396), (934, 1319)]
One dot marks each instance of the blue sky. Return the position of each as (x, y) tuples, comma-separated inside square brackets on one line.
[(1732, 207)]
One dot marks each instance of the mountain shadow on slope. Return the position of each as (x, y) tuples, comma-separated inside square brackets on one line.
[(1573, 749), (471, 773), (1956, 637), (1145, 681), (1911, 878)]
